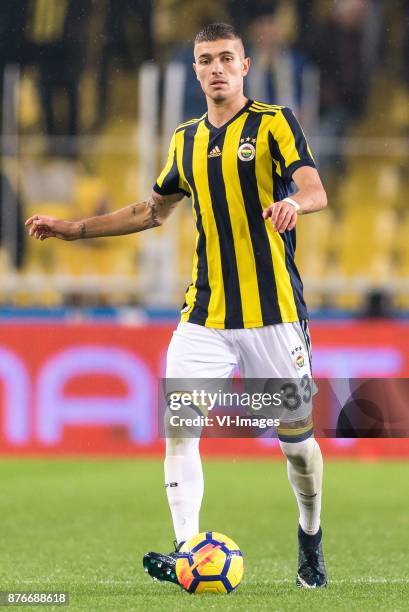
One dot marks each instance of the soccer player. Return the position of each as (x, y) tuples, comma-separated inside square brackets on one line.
[(245, 303)]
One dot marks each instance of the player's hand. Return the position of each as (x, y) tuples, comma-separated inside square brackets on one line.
[(42, 227), (282, 215)]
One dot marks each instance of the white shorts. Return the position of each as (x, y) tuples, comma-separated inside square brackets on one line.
[(274, 351), (273, 357)]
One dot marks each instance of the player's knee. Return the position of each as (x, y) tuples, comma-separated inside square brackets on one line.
[(181, 446), (299, 454)]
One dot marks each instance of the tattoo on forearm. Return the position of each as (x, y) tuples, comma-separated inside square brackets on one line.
[(154, 214), (149, 215), (83, 230)]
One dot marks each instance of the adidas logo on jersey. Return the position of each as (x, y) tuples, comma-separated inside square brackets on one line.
[(215, 152)]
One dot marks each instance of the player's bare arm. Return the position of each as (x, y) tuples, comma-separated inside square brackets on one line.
[(310, 197), (128, 220)]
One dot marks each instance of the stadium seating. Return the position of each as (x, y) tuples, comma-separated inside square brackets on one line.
[(359, 242)]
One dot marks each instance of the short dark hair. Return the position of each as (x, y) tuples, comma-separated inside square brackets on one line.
[(217, 31)]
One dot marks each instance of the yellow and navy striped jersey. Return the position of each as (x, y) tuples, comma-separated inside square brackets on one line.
[(244, 274)]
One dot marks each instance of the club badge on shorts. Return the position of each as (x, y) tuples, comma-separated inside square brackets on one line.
[(299, 356), (299, 360), (247, 151)]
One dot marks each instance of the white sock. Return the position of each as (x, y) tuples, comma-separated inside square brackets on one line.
[(304, 466), (184, 485)]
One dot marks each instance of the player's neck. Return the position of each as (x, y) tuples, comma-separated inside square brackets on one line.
[(220, 113)]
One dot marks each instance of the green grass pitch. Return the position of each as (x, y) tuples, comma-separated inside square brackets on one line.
[(82, 526)]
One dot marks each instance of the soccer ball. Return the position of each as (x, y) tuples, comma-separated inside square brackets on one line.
[(209, 562)]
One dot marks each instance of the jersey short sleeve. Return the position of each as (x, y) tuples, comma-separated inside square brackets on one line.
[(169, 181), (288, 145)]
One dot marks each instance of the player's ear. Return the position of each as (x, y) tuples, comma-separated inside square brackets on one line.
[(246, 65)]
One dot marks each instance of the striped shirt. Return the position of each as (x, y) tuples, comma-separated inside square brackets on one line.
[(244, 273)]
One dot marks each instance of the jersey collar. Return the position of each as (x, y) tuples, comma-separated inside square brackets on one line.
[(222, 127)]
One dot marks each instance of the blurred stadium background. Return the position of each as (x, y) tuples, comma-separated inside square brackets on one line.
[(90, 93)]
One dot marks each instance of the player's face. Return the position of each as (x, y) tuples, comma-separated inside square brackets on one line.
[(220, 67)]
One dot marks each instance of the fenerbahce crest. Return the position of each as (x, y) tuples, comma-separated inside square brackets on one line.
[(246, 150)]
